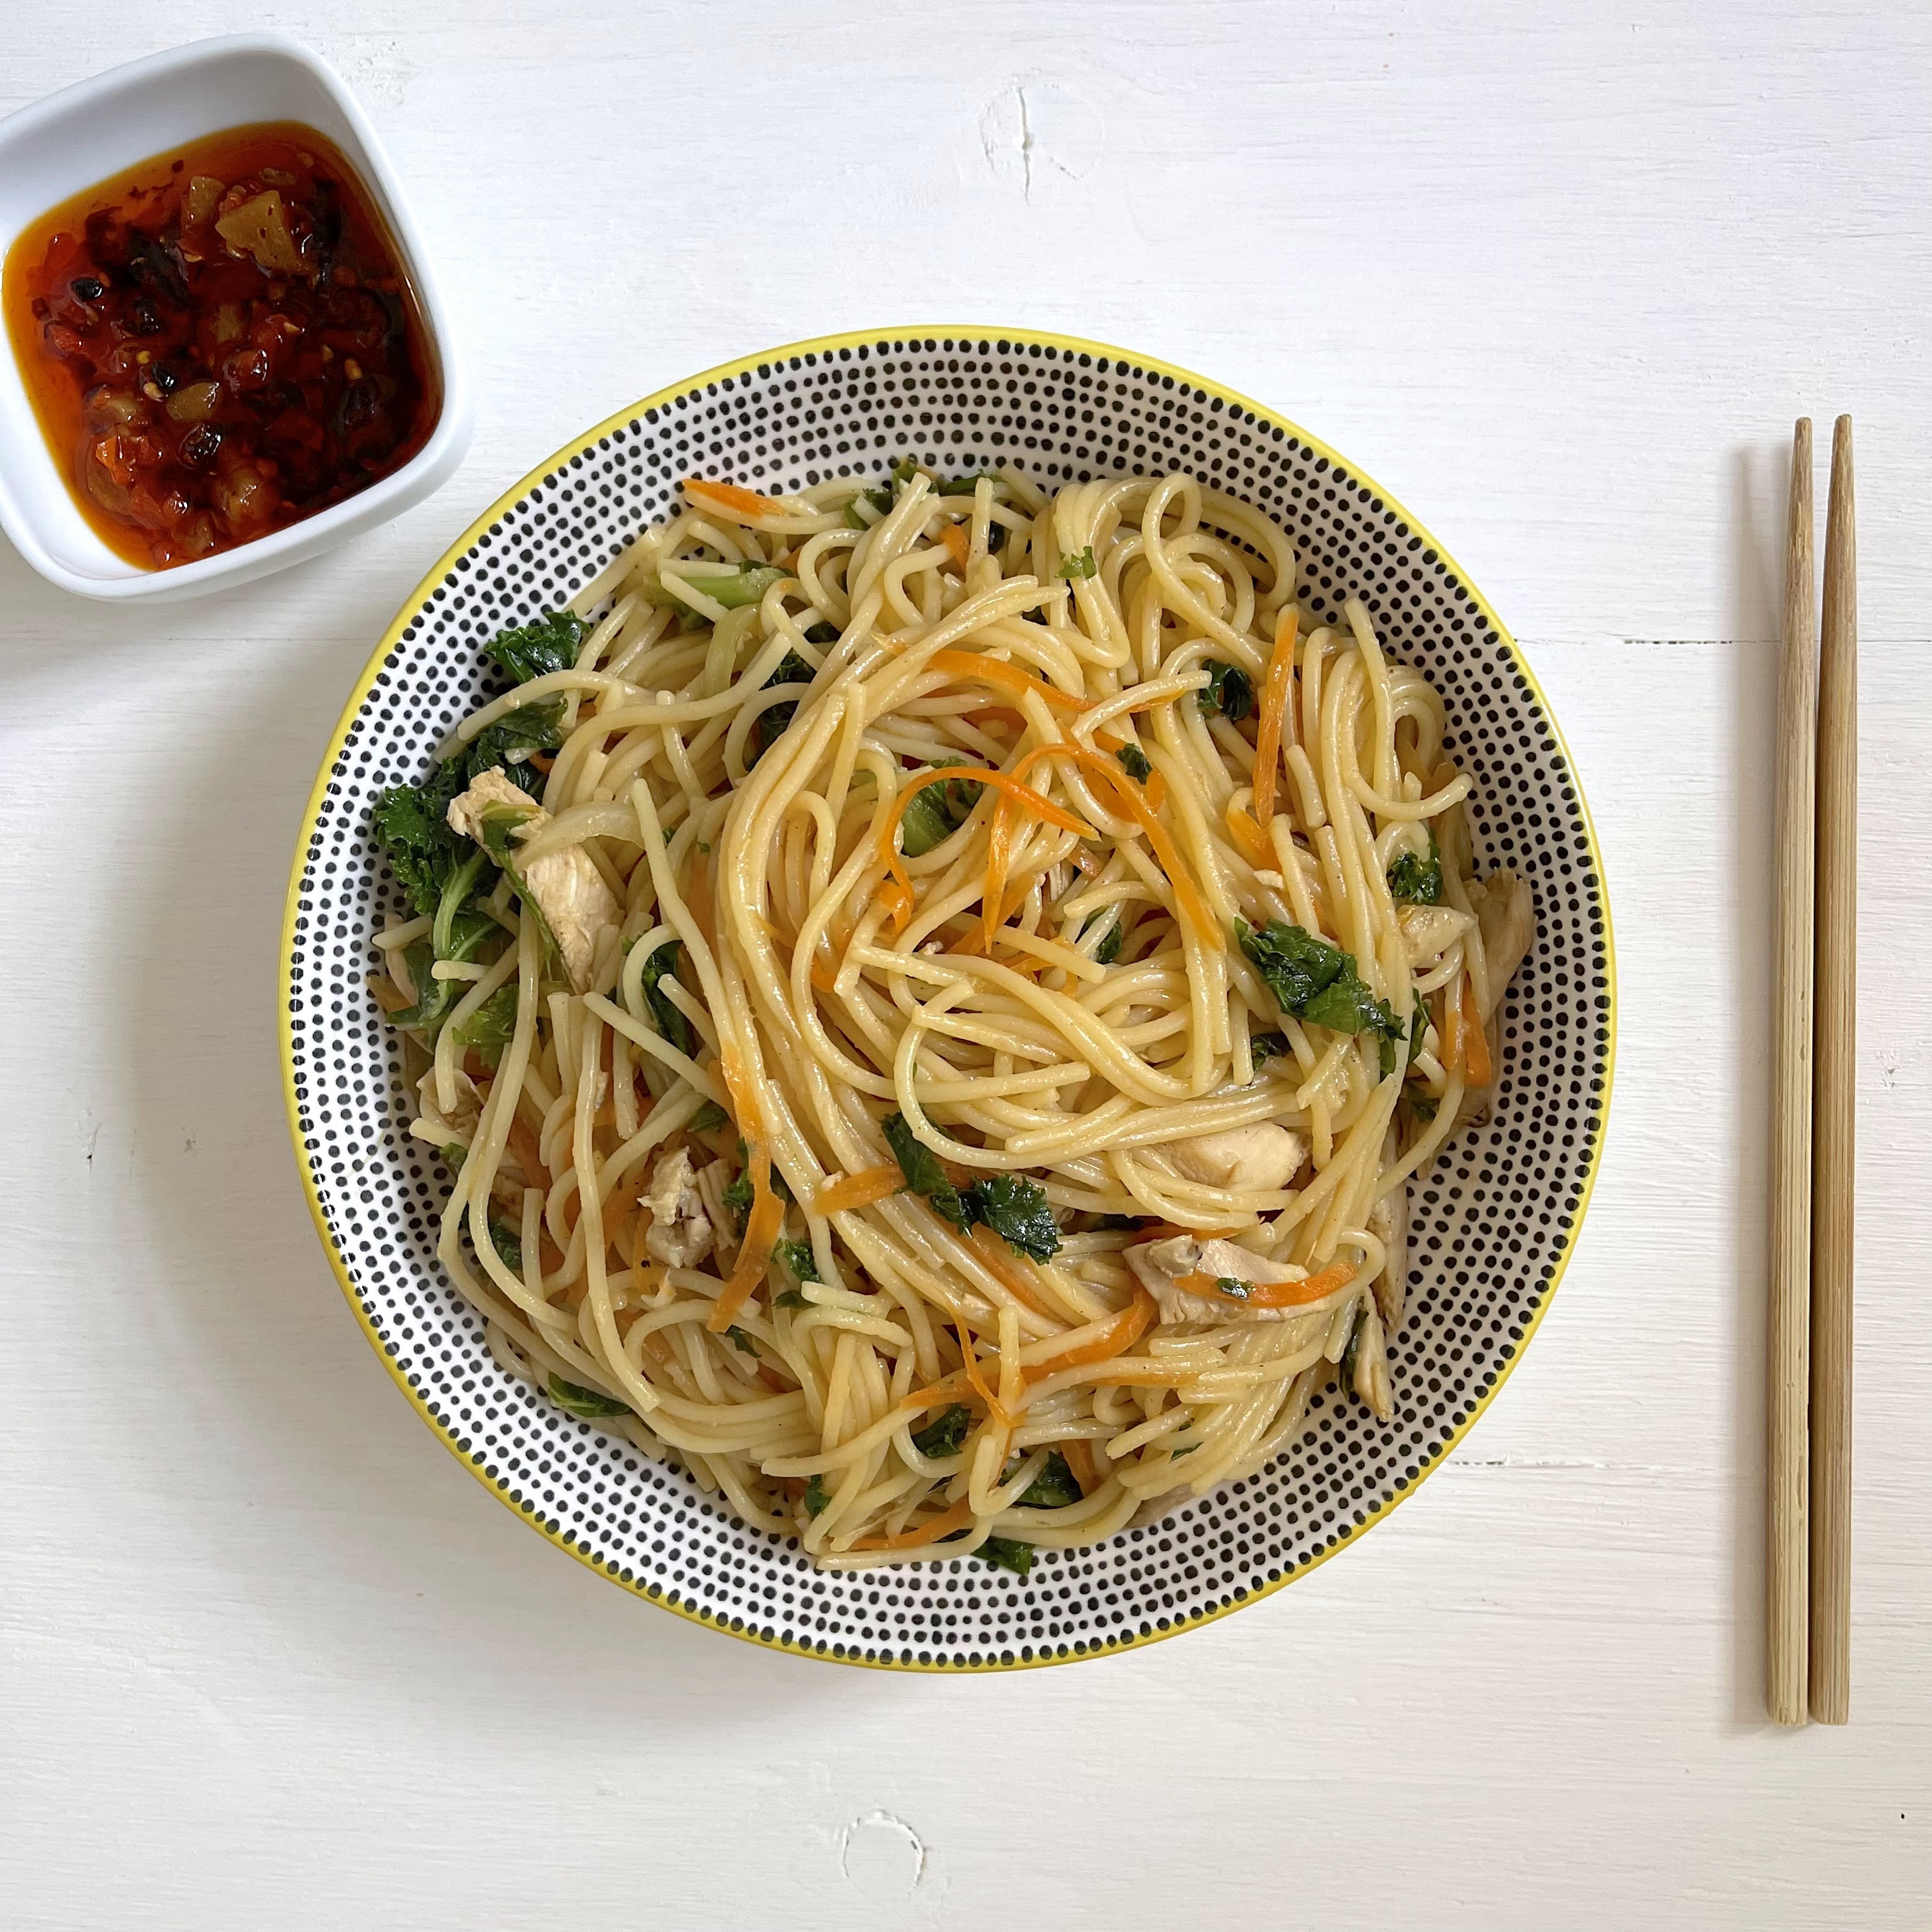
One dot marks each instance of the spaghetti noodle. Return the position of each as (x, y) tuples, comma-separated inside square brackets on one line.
[(932, 1000)]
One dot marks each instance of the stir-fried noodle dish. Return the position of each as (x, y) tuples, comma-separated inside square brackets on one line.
[(931, 1002)]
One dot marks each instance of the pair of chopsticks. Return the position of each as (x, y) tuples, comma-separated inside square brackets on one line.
[(1814, 1116)]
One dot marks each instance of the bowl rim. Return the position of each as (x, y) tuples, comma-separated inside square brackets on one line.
[(852, 339), (425, 472)]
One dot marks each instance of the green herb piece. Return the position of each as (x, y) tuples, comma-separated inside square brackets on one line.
[(453, 1154), (551, 644), (671, 1020), (1352, 1353), (1234, 1287), (1415, 880), (772, 724), (778, 1184), (508, 1246), (1079, 564), (1230, 691), (790, 1298), (1053, 1488), (1315, 981), (584, 1402), (1185, 1449), (1263, 1047), (748, 587), (1109, 1224), (411, 822), (742, 1342), (509, 743), (1017, 1210), (935, 812), (489, 1029), (923, 1173), (736, 1196), (708, 1118), (466, 934), (941, 1440), (817, 1495), (1003, 1552), (1134, 762), (965, 486), (822, 633), (799, 1260), (1108, 950), (1423, 1106)]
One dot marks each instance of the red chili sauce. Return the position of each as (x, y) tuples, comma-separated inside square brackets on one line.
[(219, 343)]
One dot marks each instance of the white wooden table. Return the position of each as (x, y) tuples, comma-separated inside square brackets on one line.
[(1561, 277)]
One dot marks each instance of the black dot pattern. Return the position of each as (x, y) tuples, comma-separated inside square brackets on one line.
[(1491, 1225)]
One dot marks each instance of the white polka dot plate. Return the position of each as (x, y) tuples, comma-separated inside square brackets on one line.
[(1492, 1224)]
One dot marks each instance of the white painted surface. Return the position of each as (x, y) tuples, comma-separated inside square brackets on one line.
[(1559, 277)]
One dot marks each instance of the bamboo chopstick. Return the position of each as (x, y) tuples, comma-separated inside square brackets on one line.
[(1790, 1327), (1833, 1113)]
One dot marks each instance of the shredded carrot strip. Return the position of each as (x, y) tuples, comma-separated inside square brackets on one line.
[(941, 1394), (1141, 808), (523, 1144), (1276, 689), (1120, 1335), (1079, 1455), (1010, 1277), (761, 1238), (958, 544), (1472, 1046), (1003, 782), (698, 895), (970, 1355), (1275, 1294), (737, 503), (766, 1220), (1007, 677), (930, 1531), (857, 1190), (1247, 837)]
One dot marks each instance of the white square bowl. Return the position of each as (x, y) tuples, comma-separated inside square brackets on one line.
[(70, 140)]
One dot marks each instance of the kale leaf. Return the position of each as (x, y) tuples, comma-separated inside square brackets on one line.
[(671, 1020), (489, 1028), (935, 813), (1415, 880), (1230, 691), (1004, 1553), (584, 1402), (800, 1261), (1078, 564), (708, 1118), (509, 1248), (411, 823), (1016, 1210), (551, 644), (1134, 762), (923, 1173), (1315, 981), (530, 728), (941, 1440), (1053, 1488), (817, 1495), (742, 1342), (1263, 1047)]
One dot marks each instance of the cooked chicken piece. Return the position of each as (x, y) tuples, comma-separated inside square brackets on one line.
[(1159, 1265), (459, 1124), (679, 1234), (1429, 930), (1260, 1158), (1506, 910), (712, 1180), (565, 886), (1368, 1362)]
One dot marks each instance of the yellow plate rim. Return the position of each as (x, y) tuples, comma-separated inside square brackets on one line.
[(1349, 1535)]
